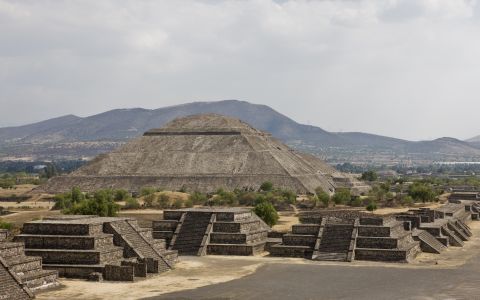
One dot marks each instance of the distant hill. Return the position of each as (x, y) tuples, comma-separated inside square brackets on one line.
[(70, 137)]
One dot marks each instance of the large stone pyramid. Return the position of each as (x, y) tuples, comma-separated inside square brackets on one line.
[(201, 153)]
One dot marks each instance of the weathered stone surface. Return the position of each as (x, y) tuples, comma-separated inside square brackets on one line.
[(203, 153), (78, 246)]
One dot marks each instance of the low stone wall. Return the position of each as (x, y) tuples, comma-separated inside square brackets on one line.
[(305, 229), (376, 231), (299, 240), (65, 242), (139, 268), (381, 255), (119, 273), (377, 242), (81, 257), (241, 250), (174, 215), (164, 225), (242, 227), (61, 229)]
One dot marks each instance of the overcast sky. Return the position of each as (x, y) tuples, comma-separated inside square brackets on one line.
[(408, 69)]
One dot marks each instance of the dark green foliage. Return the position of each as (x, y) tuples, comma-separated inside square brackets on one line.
[(76, 203), (371, 206), (102, 204), (267, 213), (266, 186), (5, 225), (198, 198), (121, 195), (369, 176), (342, 196), (322, 196), (421, 192)]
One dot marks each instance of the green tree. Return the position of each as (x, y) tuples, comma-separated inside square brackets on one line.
[(421, 192), (372, 206), (322, 196), (266, 186), (267, 213), (342, 196), (369, 176), (77, 195), (121, 195)]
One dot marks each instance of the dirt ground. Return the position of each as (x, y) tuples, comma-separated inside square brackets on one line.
[(36, 200)]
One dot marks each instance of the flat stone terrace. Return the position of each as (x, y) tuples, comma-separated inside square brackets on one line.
[(96, 248), (212, 231)]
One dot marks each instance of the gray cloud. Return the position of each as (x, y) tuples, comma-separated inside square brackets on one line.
[(407, 68)]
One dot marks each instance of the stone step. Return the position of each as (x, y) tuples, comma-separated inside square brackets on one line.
[(291, 251), (65, 241), (389, 255), (73, 257), (428, 243), (41, 279), (22, 263), (11, 249), (330, 256), (236, 249)]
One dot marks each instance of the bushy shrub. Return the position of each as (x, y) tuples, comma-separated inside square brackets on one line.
[(121, 195), (266, 186), (342, 196), (149, 200), (102, 204), (5, 225), (322, 196), (372, 206), (267, 213), (198, 198), (132, 203)]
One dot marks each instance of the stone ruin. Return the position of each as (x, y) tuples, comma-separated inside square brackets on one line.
[(212, 231), (20, 275), (203, 153), (96, 248), (347, 235)]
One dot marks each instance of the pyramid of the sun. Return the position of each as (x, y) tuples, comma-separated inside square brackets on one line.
[(201, 153)]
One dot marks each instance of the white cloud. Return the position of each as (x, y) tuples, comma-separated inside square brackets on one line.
[(407, 68)]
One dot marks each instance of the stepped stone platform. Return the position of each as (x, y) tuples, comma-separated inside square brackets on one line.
[(96, 248), (212, 231), (26, 269), (446, 224), (11, 287), (385, 239)]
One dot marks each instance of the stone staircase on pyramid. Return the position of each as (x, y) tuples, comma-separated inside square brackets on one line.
[(95, 248), (140, 243), (28, 269), (428, 243), (336, 240), (212, 231), (11, 287)]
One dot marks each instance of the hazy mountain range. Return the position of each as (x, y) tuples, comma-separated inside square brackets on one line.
[(71, 137)]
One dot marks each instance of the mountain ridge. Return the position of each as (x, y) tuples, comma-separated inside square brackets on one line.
[(100, 132)]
